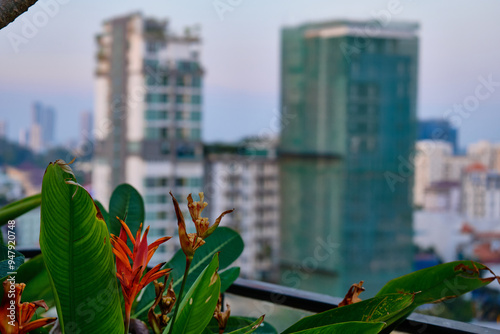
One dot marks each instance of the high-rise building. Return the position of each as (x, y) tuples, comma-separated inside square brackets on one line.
[(245, 177), (480, 192), (44, 117), (3, 129), (348, 95), (36, 143), (438, 129), (86, 126), (430, 166), (24, 137), (147, 123)]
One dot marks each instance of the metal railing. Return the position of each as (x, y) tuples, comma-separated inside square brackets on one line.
[(315, 302)]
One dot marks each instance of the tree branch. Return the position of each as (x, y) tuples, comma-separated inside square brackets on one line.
[(10, 9)]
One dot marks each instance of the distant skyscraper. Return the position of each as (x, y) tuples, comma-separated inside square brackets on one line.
[(3, 129), (348, 95), (438, 129), (148, 117), (86, 126), (24, 135), (36, 143), (43, 124)]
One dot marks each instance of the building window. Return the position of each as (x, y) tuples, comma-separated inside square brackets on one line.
[(179, 99), (163, 133), (152, 115), (153, 182), (164, 80), (195, 134), (181, 133), (150, 199), (195, 182), (158, 232), (165, 148), (152, 133), (196, 116), (196, 99), (196, 82), (181, 182), (152, 47), (156, 98), (185, 151), (151, 65), (179, 115), (152, 80)]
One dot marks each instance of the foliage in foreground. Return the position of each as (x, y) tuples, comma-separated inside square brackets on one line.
[(90, 255)]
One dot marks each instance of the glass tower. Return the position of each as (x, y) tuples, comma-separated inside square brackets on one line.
[(348, 95)]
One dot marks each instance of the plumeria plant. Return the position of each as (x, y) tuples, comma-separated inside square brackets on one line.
[(94, 271)]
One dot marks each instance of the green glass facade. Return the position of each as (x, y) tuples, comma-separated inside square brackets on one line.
[(349, 120)]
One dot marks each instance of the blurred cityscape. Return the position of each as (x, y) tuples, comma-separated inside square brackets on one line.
[(351, 187)]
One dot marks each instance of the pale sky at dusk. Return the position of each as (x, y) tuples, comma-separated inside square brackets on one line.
[(459, 41)]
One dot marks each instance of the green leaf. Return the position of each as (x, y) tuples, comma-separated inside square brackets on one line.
[(7, 255), (237, 323), (77, 253), (104, 212), (249, 328), (34, 274), (18, 208), (198, 305), (387, 308), (354, 327), (441, 282), (126, 203), (224, 241), (227, 277)]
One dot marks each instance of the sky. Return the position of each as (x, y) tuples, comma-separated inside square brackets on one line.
[(48, 54)]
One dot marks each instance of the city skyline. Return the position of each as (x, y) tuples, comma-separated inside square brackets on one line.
[(453, 60)]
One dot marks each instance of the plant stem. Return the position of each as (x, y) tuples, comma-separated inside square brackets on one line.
[(127, 324), (184, 279)]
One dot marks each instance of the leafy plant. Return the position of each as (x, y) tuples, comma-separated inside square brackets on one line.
[(78, 255), (87, 253)]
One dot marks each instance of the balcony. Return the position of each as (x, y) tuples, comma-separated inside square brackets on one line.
[(310, 302), (314, 303)]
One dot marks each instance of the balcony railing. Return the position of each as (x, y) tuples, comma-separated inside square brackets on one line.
[(315, 302)]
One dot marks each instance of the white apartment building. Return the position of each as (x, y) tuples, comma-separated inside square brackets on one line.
[(429, 166), (442, 196), (454, 167), (248, 182), (480, 193), (147, 122), (486, 153)]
